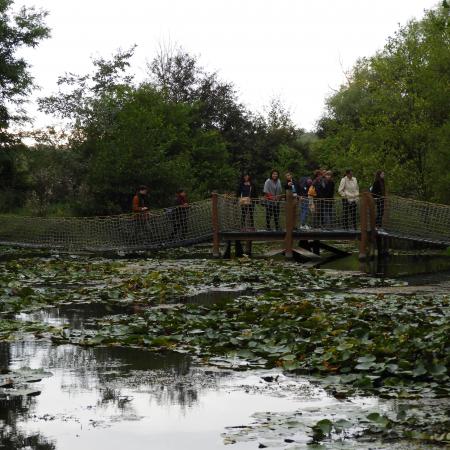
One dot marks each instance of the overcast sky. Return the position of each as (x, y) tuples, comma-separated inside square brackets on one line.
[(296, 50)]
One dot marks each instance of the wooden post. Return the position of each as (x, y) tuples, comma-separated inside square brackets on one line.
[(363, 223), (289, 238), (248, 248), (316, 247), (215, 225)]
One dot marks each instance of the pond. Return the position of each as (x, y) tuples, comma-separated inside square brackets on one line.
[(114, 396)]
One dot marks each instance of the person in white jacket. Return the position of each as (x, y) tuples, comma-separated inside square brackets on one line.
[(349, 191)]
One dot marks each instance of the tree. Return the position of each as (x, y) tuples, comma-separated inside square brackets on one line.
[(25, 28), (180, 78), (129, 135), (394, 113)]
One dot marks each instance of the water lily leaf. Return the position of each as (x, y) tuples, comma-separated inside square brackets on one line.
[(323, 426), (380, 420), (438, 369), (364, 366), (341, 424), (366, 359), (419, 371), (289, 357)]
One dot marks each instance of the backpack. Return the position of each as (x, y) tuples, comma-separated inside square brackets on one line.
[(312, 191)]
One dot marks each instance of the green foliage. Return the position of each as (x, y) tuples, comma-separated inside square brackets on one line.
[(17, 30), (183, 128), (151, 142), (394, 112)]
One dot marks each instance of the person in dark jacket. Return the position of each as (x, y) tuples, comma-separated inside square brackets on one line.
[(379, 192), (179, 215), (328, 202), (291, 184), (246, 193), (303, 189), (319, 189)]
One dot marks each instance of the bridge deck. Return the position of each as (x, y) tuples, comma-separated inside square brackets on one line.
[(312, 234)]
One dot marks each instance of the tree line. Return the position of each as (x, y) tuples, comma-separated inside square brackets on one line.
[(184, 127)]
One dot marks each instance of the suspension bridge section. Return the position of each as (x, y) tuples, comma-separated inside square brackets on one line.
[(225, 218)]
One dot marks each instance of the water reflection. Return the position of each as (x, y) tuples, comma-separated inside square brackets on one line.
[(123, 397), (96, 387), (14, 410), (78, 315), (213, 297)]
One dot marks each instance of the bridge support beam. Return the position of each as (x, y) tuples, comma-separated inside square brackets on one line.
[(382, 246), (215, 225)]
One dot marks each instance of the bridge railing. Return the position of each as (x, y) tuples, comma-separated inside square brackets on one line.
[(177, 226), (418, 220), (169, 227)]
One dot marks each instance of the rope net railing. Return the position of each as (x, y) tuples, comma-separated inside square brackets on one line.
[(158, 229), (309, 214), (417, 220), (179, 226)]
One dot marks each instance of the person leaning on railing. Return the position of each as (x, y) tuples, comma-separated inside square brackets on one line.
[(246, 193), (349, 191)]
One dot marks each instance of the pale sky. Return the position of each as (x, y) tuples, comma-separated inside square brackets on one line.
[(295, 50)]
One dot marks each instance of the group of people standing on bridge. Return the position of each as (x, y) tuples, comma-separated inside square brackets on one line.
[(315, 197)]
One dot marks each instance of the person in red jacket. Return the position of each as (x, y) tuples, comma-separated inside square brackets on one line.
[(141, 217), (141, 203)]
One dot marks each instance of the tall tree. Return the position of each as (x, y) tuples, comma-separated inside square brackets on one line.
[(394, 113), (128, 135), (25, 28)]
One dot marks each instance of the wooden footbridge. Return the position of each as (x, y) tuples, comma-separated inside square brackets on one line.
[(372, 222), (223, 219)]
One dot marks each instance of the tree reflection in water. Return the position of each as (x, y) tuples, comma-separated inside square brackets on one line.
[(14, 410), (112, 378)]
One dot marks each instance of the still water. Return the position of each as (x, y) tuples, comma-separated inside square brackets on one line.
[(128, 398), (118, 398)]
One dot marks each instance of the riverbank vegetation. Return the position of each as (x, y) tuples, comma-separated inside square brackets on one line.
[(185, 125)]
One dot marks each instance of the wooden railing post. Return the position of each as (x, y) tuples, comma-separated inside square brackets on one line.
[(289, 238), (363, 208), (215, 224)]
